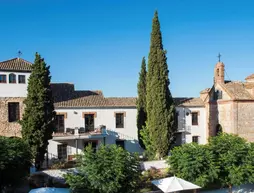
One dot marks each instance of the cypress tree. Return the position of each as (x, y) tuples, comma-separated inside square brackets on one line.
[(38, 119), (159, 102), (141, 101)]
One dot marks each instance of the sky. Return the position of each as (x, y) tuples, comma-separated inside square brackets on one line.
[(99, 44)]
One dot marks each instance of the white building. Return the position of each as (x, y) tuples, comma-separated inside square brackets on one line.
[(83, 117), (192, 126), (87, 117)]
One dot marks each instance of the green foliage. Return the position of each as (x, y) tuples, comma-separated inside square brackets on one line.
[(227, 160), (38, 119), (194, 163), (159, 103), (111, 169), (148, 176), (230, 151), (141, 102), (149, 151), (15, 161)]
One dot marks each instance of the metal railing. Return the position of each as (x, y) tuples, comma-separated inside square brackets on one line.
[(185, 128)]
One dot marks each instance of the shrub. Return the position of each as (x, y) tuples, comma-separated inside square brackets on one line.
[(15, 161), (111, 169), (194, 163)]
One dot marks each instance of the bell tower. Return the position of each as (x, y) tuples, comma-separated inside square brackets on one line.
[(219, 69)]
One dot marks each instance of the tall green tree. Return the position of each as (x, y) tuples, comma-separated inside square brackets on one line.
[(159, 102), (38, 119), (141, 101)]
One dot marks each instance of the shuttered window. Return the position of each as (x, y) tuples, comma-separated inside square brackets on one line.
[(13, 112)]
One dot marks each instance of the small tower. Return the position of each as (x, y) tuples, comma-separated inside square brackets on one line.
[(219, 72)]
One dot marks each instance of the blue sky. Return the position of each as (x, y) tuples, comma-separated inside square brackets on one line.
[(99, 44)]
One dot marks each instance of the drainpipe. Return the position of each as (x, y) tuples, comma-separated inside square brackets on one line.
[(76, 145)]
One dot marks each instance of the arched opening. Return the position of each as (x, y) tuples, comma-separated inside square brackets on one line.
[(12, 78), (218, 129)]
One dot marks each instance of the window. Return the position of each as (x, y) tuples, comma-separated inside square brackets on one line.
[(92, 143), (89, 122), (13, 111), (12, 78), (59, 123), (119, 120), (62, 151), (120, 143), (218, 72), (195, 139), (2, 78), (194, 116), (217, 95), (22, 79)]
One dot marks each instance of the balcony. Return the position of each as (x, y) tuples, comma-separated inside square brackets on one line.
[(79, 132), (185, 129)]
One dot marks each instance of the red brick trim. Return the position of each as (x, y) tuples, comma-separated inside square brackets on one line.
[(123, 112), (196, 112), (62, 113), (89, 113)]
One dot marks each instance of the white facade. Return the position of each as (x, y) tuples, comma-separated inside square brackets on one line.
[(104, 116), (14, 89), (188, 130)]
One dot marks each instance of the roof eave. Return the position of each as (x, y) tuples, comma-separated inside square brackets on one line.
[(11, 70)]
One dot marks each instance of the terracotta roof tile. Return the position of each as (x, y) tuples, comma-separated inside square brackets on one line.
[(192, 102), (205, 90), (179, 100), (122, 101), (16, 64), (250, 77), (65, 96), (238, 90)]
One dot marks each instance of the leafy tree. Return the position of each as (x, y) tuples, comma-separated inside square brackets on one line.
[(227, 160), (110, 170), (248, 164), (141, 102), (194, 163), (230, 152), (37, 123), (159, 103), (15, 161)]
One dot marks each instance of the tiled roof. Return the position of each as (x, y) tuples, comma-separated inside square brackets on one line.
[(122, 101), (250, 77), (179, 100), (238, 90), (16, 64), (205, 90), (65, 96), (192, 102)]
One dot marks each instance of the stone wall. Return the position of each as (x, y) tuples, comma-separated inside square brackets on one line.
[(245, 120), (10, 128), (226, 115)]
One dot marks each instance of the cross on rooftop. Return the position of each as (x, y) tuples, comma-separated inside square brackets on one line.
[(219, 56), (19, 53)]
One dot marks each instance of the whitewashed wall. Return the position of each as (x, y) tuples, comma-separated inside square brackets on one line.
[(196, 130), (104, 116), (14, 89)]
